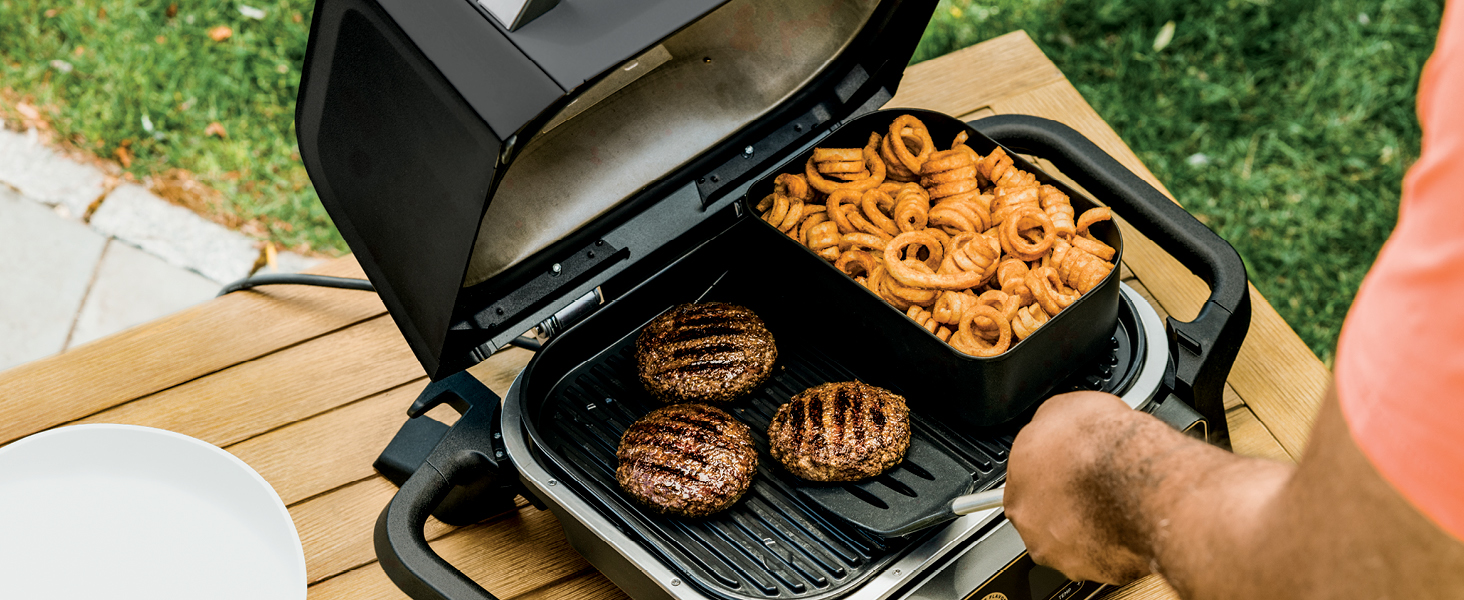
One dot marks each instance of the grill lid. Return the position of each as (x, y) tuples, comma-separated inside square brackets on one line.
[(474, 171)]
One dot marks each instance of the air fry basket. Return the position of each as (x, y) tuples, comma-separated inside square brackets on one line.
[(951, 385)]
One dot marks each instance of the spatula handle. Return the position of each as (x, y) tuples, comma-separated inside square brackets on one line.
[(970, 503)]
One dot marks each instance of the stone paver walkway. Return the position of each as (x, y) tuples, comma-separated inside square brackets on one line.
[(67, 278)]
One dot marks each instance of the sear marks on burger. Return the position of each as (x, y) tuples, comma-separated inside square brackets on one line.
[(707, 352), (844, 431), (691, 460)]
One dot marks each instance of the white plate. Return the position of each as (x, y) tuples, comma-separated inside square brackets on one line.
[(119, 511)]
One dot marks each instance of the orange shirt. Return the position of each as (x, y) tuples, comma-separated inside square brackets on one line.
[(1400, 359)]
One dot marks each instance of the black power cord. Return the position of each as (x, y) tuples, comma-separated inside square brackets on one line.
[(344, 283)]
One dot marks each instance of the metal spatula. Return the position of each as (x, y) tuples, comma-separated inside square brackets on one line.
[(962, 505)]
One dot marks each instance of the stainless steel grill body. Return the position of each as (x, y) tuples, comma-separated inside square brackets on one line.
[(644, 575)]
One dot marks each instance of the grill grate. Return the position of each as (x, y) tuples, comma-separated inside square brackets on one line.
[(776, 542)]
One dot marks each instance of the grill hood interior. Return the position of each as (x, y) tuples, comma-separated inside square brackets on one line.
[(460, 160), (689, 93)]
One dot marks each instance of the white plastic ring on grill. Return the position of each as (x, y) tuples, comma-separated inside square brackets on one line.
[(1151, 373)]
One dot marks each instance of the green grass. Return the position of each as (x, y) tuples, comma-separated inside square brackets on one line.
[(1303, 111), (134, 64)]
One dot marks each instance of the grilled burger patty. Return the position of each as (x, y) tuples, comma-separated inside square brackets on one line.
[(843, 431), (708, 352), (686, 459)]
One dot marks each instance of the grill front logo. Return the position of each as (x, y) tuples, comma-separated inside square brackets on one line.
[(995, 596)]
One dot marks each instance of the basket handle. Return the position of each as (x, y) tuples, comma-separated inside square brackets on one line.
[(401, 544), (1203, 350)]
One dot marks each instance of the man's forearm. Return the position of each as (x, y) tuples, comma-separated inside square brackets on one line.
[(1105, 493), (1179, 507), (1207, 518), (1218, 525)]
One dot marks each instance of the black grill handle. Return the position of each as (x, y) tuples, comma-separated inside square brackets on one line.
[(459, 459), (1203, 350)]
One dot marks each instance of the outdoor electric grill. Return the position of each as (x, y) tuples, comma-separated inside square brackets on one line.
[(583, 172)]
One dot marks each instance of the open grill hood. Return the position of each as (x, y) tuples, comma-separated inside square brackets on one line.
[(485, 178)]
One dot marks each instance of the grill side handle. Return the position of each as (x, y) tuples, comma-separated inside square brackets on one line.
[(1201, 351), (459, 459)]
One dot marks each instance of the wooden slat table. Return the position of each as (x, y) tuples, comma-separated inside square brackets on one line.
[(307, 384)]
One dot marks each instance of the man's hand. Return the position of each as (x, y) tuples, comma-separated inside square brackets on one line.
[(1105, 493), (1059, 492)]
